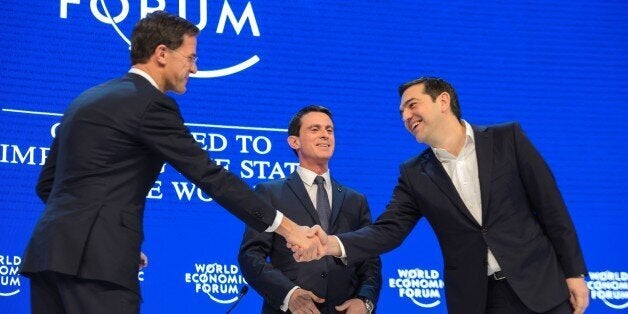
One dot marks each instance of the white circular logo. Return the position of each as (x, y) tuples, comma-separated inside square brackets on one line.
[(610, 287), (101, 11), (9, 277), (422, 286), (220, 282)]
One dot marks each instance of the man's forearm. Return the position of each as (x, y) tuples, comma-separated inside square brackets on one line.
[(286, 228)]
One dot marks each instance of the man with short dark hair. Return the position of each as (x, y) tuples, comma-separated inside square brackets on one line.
[(507, 239), (311, 197), (112, 142)]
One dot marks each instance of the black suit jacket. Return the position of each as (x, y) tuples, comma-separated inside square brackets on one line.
[(328, 278), (109, 149), (526, 223)]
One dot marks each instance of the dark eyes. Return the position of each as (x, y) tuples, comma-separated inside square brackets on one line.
[(314, 130)]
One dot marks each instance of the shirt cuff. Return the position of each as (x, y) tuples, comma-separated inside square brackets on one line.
[(276, 223), (286, 300), (343, 253)]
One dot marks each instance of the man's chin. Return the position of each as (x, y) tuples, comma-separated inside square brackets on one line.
[(179, 91), (419, 139)]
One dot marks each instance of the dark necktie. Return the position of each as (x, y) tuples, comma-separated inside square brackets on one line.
[(322, 203)]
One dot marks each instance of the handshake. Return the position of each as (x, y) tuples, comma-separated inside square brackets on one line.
[(309, 243)]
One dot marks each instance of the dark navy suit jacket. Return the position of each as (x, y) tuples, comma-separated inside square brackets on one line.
[(109, 149), (328, 277), (525, 223)]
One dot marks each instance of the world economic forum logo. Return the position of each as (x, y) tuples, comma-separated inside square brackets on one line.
[(220, 282), (610, 287), (114, 12), (9, 278), (424, 287)]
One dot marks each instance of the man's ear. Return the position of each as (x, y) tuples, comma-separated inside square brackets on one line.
[(294, 142), (444, 99), (160, 54)]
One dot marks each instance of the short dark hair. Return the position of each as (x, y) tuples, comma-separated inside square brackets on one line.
[(295, 123), (435, 86), (155, 29)]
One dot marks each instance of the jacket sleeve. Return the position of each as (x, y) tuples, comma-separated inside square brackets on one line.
[(370, 271), (163, 131), (389, 229), (47, 174), (272, 284), (542, 191)]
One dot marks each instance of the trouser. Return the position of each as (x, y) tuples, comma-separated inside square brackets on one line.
[(501, 299), (56, 293)]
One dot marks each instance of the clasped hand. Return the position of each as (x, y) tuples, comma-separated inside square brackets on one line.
[(313, 245)]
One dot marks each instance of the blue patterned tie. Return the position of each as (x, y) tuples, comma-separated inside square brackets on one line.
[(322, 203)]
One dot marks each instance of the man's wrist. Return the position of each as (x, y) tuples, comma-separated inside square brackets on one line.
[(286, 227), (336, 248), (368, 303), (276, 222), (286, 300)]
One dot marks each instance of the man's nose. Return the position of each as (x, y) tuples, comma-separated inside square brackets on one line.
[(405, 115)]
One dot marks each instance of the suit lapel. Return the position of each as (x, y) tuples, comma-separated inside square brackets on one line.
[(483, 151), (338, 196), (436, 172), (295, 184)]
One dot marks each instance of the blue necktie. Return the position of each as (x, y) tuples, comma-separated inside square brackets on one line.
[(322, 203)]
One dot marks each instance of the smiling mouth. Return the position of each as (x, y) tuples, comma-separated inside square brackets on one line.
[(415, 125), (323, 145)]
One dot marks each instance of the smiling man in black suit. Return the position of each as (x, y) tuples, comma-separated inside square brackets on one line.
[(112, 142), (311, 197), (508, 242)]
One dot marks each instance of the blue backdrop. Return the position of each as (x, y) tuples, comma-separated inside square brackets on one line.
[(558, 67)]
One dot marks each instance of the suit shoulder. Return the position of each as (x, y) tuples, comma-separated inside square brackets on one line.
[(500, 127), (424, 155), (272, 184), (143, 88), (128, 89)]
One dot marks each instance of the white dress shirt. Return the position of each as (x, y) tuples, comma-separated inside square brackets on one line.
[(463, 172), (308, 176)]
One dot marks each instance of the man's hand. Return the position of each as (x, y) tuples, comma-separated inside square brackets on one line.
[(301, 255), (310, 246), (302, 301), (352, 306), (143, 260), (579, 294), (330, 244)]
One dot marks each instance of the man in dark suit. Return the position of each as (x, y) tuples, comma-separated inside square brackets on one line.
[(284, 284), (508, 243), (113, 140)]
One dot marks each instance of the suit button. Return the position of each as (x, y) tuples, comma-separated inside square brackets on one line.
[(484, 230), (323, 275), (257, 214)]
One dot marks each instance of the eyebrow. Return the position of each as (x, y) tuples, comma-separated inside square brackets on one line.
[(405, 104)]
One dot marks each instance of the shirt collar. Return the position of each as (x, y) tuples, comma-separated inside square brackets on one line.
[(308, 176), (443, 155), (144, 75)]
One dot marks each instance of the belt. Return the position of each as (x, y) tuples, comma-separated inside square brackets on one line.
[(498, 275)]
